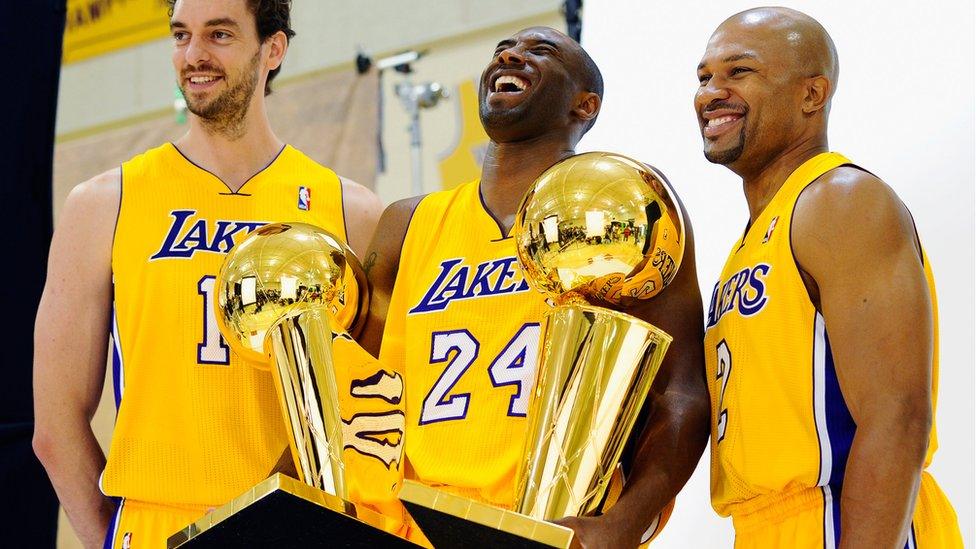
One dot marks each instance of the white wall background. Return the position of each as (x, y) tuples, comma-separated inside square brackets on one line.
[(903, 109)]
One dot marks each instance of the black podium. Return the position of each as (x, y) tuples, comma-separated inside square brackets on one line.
[(284, 513), (454, 522)]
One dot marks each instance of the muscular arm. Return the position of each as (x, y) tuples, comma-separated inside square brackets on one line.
[(857, 242), (361, 209), (70, 350), (677, 426), (381, 265)]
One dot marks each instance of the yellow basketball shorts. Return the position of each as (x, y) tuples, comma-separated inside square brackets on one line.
[(141, 525), (811, 519)]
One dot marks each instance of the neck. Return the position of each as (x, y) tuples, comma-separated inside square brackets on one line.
[(233, 156), (510, 169), (761, 183)]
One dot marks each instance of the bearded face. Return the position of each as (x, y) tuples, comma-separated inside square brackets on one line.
[(221, 105)]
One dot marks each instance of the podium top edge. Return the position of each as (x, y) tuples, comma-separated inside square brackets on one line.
[(259, 491), (546, 533)]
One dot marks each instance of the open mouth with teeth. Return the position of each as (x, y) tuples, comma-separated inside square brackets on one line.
[(510, 84), (200, 82), (716, 126)]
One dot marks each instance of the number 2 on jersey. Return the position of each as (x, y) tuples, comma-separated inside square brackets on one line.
[(514, 365), (723, 371)]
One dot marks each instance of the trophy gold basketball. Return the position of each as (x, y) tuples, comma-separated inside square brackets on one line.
[(594, 228), (283, 294)]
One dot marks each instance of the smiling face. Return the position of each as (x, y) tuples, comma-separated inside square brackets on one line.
[(218, 58), (531, 85), (750, 100)]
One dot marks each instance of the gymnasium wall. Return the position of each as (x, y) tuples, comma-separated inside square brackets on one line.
[(107, 96), (903, 109)]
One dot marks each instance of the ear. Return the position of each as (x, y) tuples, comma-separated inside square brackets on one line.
[(277, 45), (587, 106), (818, 90)]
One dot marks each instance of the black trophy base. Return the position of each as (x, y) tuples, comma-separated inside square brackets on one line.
[(451, 521), (282, 512)]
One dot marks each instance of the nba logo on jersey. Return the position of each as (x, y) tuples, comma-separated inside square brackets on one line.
[(304, 198), (769, 231), (127, 540)]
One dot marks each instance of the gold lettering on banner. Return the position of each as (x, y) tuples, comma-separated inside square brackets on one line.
[(95, 27)]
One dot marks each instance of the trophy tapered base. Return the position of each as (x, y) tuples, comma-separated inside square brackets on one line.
[(282, 512), (451, 521)]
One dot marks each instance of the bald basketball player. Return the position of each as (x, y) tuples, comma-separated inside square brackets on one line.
[(821, 341), (469, 352)]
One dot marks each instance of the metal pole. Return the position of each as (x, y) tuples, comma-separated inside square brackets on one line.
[(416, 160)]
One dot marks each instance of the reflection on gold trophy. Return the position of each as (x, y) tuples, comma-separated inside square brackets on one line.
[(283, 294), (276, 293), (594, 228)]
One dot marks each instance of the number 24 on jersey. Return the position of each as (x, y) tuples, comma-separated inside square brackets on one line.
[(458, 350)]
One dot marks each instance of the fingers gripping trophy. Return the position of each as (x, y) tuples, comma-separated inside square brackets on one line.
[(285, 293), (595, 228)]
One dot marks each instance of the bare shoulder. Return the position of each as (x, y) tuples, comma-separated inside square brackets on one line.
[(102, 192), (360, 197), (849, 214), (81, 248), (91, 209), (399, 213), (392, 228), (361, 209), (850, 195)]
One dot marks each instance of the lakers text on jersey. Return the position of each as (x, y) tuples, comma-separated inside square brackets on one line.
[(196, 424), (781, 431), (466, 326)]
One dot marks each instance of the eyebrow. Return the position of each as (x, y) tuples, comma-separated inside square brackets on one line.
[(732, 59), (219, 22), (511, 42), (546, 42)]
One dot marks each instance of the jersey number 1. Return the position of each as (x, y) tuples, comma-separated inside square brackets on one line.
[(213, 349)]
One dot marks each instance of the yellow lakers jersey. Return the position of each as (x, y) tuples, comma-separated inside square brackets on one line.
[(196, 424), (466, 327), (779, 421)]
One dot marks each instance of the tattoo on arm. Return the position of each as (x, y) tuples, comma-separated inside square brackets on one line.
[(370, 261)]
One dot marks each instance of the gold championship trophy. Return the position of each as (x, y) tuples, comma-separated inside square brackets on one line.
[(595, 227), (283, 294)]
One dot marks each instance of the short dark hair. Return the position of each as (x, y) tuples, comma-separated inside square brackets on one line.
[(592, 81), (270, 16)]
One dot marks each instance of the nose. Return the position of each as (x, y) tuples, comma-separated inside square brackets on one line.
[(511, 56), (196, 52), (712, 90)]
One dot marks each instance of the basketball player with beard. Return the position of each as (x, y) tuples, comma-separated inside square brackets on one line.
[(450, 305), (137, 250)]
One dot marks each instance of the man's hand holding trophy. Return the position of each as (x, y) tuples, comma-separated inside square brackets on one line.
[(596, 232), (595, 229), (287, 295)]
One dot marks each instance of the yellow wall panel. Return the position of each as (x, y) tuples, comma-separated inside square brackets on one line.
[(94, 27)]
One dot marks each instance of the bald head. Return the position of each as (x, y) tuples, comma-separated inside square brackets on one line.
[(766, 81), (560, 92), (810, 49), (580, 63)]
